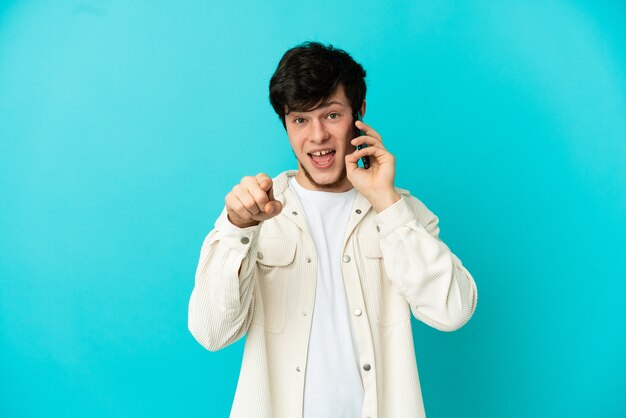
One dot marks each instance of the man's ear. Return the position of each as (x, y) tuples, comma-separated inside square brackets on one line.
[(362, 111)]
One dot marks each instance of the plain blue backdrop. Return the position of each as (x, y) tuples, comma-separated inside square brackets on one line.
[(123, 124)]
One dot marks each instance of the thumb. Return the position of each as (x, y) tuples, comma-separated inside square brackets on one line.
[(273, 207), (351, 164)]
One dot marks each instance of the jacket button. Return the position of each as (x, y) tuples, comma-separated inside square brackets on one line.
[(245, 240), (308, 260), (298, 369), (378, 228), (367, 367), (259, 256), (358, 211), (346, 258), (358, 312), (294, 213)]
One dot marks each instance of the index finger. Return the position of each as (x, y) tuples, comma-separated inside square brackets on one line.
[(368, 130), (265, 182)]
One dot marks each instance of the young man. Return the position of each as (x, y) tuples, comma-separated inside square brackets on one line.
[(323, 266)]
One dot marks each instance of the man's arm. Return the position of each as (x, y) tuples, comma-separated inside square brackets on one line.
[(440, 291), (223, 299)]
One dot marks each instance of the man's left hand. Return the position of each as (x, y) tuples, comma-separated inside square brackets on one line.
[(377, 182)]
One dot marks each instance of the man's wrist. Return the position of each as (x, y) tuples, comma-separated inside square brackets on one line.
[(241, 225), (382, 200)]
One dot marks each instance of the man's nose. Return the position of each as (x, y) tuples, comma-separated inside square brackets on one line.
[(318, 131)]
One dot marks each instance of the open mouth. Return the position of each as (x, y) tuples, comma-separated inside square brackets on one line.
[(323, 158)]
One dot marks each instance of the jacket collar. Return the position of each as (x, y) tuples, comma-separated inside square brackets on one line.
[(293, 210), (291, 205)]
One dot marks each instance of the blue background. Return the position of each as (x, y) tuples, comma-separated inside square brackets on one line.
[(123, 124)]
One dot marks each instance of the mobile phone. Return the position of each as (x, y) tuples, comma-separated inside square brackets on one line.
[(366, 159)]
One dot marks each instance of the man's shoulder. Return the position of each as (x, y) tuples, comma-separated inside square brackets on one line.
[(410, 198), (416, 204), (281, 182), (402, 192)]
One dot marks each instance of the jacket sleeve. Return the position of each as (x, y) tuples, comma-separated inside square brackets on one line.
[(439, 290), (222, 301)]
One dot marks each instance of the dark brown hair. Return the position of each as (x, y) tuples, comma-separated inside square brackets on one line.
[(309, 74)]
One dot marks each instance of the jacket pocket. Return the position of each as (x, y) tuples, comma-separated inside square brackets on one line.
[(274, 272), (382, 295)]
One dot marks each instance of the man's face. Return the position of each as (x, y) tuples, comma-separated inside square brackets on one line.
[(320, 139)]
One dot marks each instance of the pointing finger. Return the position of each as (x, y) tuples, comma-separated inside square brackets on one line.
[(265, 182)]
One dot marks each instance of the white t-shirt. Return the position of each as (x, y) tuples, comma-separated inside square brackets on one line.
[(333, 386)]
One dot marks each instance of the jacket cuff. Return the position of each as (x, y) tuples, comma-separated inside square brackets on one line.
[(240, 238), (393, 217)]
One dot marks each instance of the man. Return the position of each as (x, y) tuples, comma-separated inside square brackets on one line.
[(322, 266)]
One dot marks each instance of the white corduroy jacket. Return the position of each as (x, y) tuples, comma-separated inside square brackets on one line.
[(261, 281)]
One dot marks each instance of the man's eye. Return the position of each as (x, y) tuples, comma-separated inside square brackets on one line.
[(333, 115), (298, 121)]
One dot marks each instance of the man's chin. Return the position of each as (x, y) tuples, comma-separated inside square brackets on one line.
[(325, 182)]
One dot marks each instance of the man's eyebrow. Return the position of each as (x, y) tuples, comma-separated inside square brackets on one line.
[(321, 106), (328, 104)]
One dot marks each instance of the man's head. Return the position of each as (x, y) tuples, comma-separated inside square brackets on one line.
[(316, 91), (309, 74)]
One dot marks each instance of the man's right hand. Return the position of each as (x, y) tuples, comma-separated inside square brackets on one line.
[(252, 201)]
